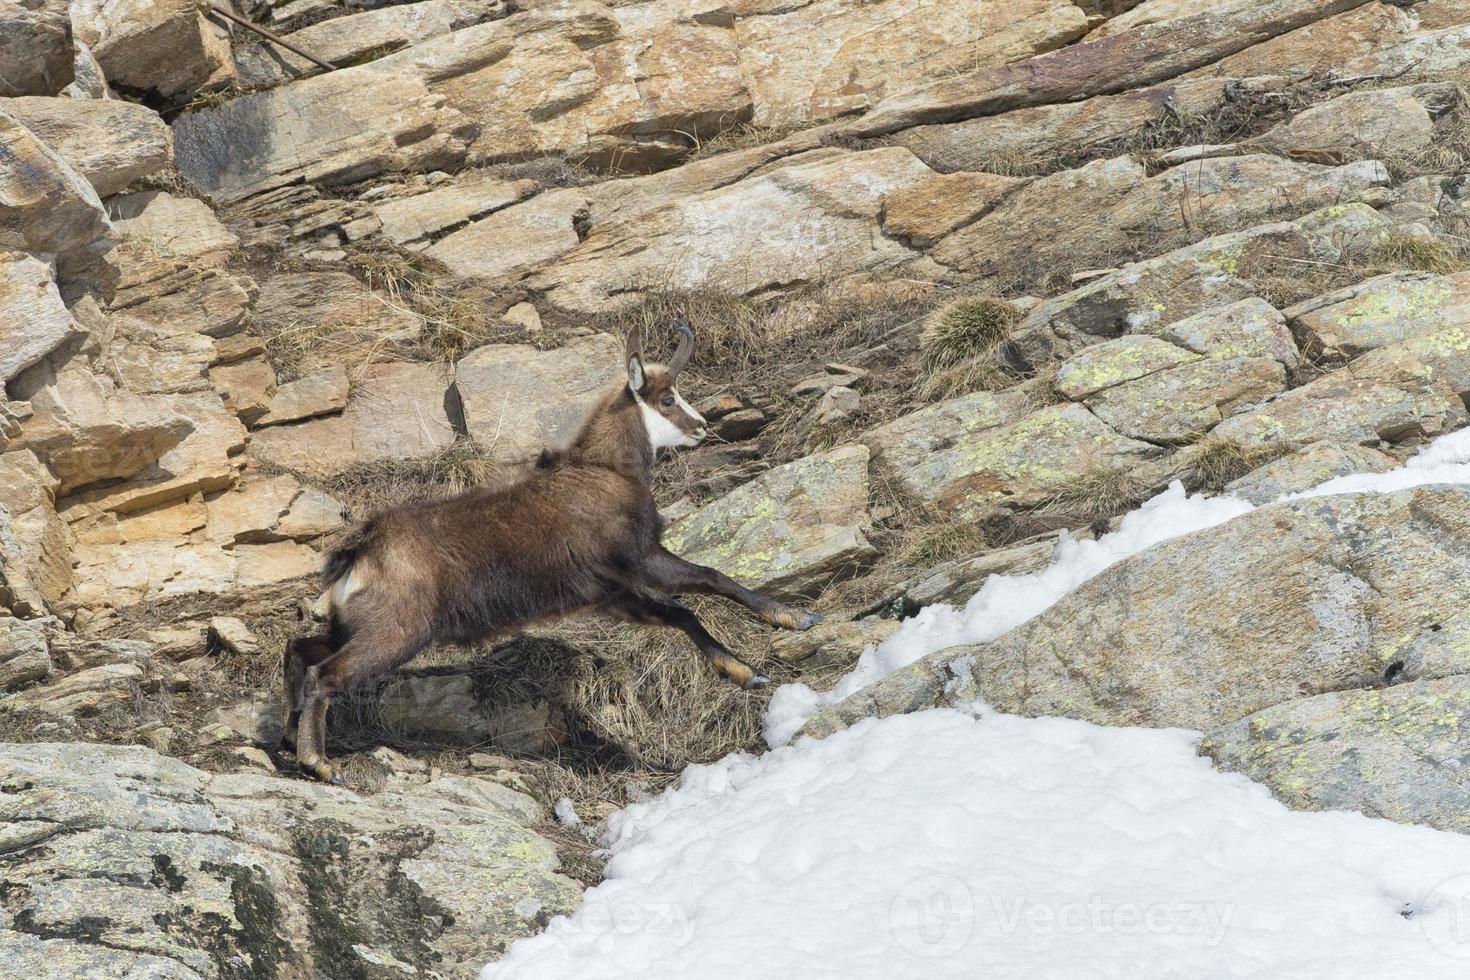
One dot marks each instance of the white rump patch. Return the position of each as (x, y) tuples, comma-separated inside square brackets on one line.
[(345, 587)]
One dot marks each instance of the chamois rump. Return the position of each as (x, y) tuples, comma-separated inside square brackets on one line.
[(579, 532)]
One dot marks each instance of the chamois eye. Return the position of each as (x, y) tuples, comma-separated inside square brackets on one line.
[(667, 401)]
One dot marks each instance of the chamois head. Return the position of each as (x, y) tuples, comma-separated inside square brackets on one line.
[(666, 415)]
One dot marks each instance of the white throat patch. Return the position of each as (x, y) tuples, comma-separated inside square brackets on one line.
[(663, 434)]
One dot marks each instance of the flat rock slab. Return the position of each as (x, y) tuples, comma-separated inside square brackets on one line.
[(135, 864), (1021, 464), (791, 530), (797, 223), (1381, 311), (396, 411)]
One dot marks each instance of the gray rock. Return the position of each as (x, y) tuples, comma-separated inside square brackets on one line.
[(1022, 464), (1361, 124), (1397, 753), (1294, 599), (789, 531), (1381, 311), (1306, 468), (24, 654), (1182, 403), (138, 865)]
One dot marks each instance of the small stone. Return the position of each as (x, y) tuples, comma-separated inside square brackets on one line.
[(740, 425), (523, 315), (229, 635)]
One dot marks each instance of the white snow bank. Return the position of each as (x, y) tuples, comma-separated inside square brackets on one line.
[(940, 845), (1007, 601)]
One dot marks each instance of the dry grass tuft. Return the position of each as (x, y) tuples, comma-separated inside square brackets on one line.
[(369, 487), (1099, 491), (931, 544), (454, 317), (965, 329), (1399, 250), (1215, 461), (650, 693)]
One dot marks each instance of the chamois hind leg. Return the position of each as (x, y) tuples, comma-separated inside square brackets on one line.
[(670, 612), (368, 654), (673, 574), (301, 653)]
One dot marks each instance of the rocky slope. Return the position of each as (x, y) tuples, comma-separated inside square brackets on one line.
[(962, 278)]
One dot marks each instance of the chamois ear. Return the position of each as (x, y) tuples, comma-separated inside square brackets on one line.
[(637, 377)]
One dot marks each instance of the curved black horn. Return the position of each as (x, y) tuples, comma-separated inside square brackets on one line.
[(686, 346)]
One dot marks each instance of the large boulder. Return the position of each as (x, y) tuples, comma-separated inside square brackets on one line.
[(128, 863), (168, 47), (108, 141), (519, 400), (788, 532), (1294, 599), (24, 653)]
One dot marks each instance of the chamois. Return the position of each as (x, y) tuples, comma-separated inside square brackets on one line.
[(580, 531)]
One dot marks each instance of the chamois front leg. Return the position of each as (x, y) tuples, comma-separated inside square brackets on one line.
[(675, 575), (670, 612), (301, 653)]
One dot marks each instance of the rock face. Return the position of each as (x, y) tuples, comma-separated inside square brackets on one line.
[(35, 48), (132, 864), (1393, 753), (519, 400), (788, 532), (1293, 599)]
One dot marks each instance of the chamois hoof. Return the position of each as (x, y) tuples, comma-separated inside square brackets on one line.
[(756, 682), (324, 772), (288, 744), (811, 619)]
